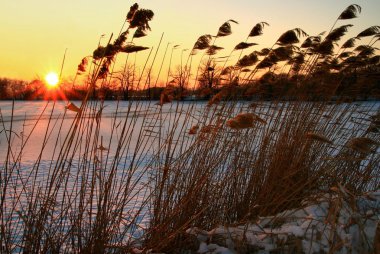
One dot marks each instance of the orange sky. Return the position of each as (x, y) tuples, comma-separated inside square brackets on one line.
[(35, 34)]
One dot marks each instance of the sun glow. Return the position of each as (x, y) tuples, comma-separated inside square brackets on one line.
[(52, 79)]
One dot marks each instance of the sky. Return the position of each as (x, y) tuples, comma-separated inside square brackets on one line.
[(35, 34)]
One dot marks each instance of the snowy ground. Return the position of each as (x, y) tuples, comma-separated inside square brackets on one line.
[(337, 222)]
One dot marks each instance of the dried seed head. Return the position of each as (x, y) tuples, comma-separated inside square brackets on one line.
[(139, 33), (141, 19), (241, 121), (350, 12), (203, 42), (215, 99), (132, 11), (193, 130), (225, 29), (257, 30), (133, 48), (82, 66), (362, 144), (318, 137), (213, 49), (208, 129), (244, 45)]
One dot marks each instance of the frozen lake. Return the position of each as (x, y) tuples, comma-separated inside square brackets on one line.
[(33, 120)]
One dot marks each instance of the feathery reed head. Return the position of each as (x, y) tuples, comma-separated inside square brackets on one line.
[(141, 19), (345, 54), (241, 121), (225, 29), (362, 144), (283, 53), (326, 47), (119, 42), (213, 49), (133, 48), (311, 41), (267, 62), (132, 11), (104, 70), (263, 52), (244, 45), (244, 120), (365, 51), (350, 12), (208, 129), (99, 53), (248, 60), (291, 36), (370, 31), (82, 66), (203, 42), (193, 130), (350, 43), (318, 137), (216, 99), (139, 33), (338, 32), (257, 30)]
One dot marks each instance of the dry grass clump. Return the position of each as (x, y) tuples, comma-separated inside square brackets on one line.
[(237, 176)]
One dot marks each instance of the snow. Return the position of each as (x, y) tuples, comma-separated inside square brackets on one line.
[(338, 222)]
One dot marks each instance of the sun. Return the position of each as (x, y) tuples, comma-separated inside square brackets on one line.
[(52, 79)]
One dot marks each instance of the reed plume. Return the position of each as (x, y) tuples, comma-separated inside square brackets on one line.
[(363, 144), (244, 45), (291, 37), (133, 48), (139, 33), (213, 50), (225, 29), (318, 137), (370, 31), (350, 43), (337, 33), (257, 30), (82, 66), (193, 130), (248, 60), (350, 12)]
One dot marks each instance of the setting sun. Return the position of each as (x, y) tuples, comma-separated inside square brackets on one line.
[(52, 79)]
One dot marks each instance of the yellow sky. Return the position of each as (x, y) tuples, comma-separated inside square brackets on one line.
[(35, 34)]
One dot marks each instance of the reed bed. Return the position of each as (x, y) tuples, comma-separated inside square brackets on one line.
[(136, 179), (151, 179)]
